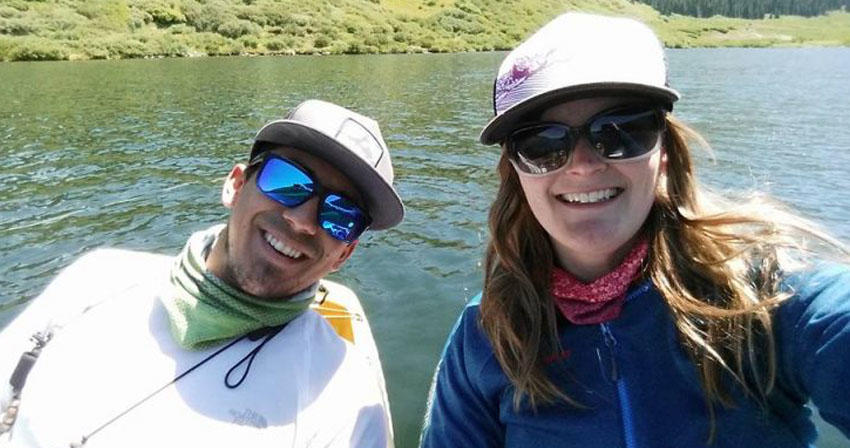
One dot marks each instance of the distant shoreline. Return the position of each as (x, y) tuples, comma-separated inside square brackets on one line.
[(116, 29)]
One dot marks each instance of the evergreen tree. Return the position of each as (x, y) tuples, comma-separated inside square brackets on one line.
[(750, 9)]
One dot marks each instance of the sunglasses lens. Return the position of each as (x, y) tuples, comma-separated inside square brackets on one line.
[(540, 149), (342, 218), (284, 182), (289, 185), (627, 134)]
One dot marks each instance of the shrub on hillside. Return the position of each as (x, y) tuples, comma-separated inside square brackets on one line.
[(427, 42), (8, 12), (292, 29), (356, 47), (250, 41), (181, 29), (237, 28), (376, 39), (402, 37), (127, 48), (329, 31), (37, 50), (321, 41), (92, 51), (138, 18), (111, 14), (217, 45), (89, 10), (63, 29), (64, 20), (20, 5), (5, 46), (168, 45), (459, 22), (209, 16), (278, 44), (468, 7), (266, 14), (16, 27), (301, 20), (163, 13)]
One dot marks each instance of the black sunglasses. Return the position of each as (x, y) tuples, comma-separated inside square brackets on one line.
[(620, 134), (284, 181)]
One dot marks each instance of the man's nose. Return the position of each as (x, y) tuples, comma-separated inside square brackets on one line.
[(302, 218)]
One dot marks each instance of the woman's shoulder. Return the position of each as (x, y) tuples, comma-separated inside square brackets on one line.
[(468, 356), (813, 338), (467, 338), (818, 304), (825, 282), (467, 323)]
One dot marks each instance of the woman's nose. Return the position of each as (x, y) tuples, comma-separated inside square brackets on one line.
[(585, 160)]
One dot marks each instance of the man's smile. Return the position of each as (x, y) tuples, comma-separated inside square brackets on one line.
[(281, 247)]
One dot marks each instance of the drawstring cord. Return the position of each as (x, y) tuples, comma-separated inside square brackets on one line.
[(254, 335)]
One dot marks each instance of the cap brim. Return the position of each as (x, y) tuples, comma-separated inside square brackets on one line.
[(500, 126), (384, 205)]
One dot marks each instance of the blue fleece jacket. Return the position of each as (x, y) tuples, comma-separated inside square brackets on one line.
[(639, 387)]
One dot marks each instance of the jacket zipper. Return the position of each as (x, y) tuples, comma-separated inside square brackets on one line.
[(622, 393)]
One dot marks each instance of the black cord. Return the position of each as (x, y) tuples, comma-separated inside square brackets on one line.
[(255, 335)]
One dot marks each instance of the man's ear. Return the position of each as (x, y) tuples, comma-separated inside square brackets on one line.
[(345, 255), (233, 185)]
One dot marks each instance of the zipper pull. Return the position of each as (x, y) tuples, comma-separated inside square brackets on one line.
[(612, 344)]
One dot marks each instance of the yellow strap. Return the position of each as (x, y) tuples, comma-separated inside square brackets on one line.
[(339, 317)]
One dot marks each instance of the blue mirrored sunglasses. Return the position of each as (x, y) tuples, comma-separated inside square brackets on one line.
[(289, 184)]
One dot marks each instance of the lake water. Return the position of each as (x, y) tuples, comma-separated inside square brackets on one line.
[(132, 154)]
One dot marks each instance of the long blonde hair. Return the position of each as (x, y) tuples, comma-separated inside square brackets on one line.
[(716, 267)]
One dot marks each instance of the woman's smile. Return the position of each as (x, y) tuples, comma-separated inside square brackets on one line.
[(590, 197)]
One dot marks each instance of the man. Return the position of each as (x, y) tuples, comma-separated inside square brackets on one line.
[(218, 346)]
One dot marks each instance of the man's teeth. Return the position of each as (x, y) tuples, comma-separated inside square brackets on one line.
[(280, 247), (590, 197)]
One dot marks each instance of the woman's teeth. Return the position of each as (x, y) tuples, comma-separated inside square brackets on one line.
[(280, 247), (590, 197)]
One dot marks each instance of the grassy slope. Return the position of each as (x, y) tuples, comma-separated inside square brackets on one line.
[(86, 29)]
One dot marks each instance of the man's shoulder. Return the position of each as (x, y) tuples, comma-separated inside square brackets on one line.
[(108, 268), (98, 275), (343, 379), (110, 265), (336, 338), (114, 258)]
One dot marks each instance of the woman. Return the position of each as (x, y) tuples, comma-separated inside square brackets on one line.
[(623, 305)]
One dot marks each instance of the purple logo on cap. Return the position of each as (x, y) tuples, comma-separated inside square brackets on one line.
[(521, 70)]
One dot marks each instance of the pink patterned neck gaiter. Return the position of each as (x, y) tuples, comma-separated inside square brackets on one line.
[(602, 299)]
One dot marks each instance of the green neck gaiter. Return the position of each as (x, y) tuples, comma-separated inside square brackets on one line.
[(204, 310)]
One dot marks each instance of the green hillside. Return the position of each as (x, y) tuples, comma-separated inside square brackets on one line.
[(100, 29)]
